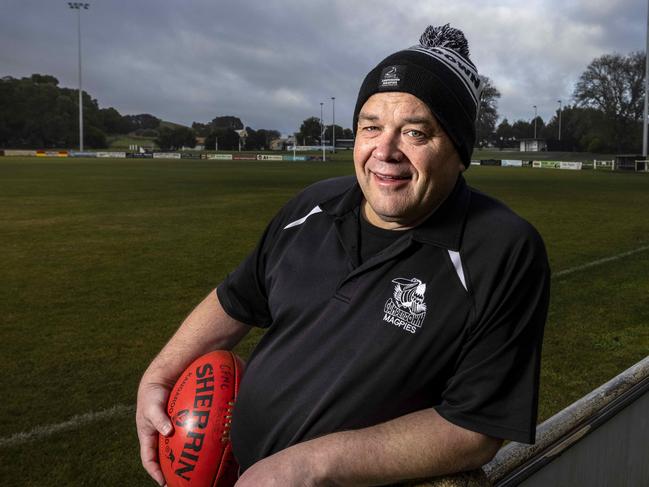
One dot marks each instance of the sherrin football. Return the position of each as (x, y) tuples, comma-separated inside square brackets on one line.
[(198, 452)]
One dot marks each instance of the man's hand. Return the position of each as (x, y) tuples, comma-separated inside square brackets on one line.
[(208, 327), (294, 466), (151, 419)]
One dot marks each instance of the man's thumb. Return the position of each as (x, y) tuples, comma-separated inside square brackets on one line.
[(164, 427)]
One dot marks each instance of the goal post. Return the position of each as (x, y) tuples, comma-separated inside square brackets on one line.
[(641, 165), (604, 164)]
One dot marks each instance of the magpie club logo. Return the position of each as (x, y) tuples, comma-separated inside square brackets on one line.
[(406, 308)]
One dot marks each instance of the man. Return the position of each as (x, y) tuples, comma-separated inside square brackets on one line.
[(404, 310)]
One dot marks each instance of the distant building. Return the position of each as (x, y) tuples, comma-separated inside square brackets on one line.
[(533, 145), (344, 143), (200, 144), (281, 144)]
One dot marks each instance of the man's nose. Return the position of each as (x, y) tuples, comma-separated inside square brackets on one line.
[(387, 147)]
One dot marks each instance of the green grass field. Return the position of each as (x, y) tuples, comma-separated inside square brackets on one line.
[(102, 259)]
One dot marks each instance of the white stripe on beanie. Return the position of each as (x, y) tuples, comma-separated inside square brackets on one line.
[(465, 71)]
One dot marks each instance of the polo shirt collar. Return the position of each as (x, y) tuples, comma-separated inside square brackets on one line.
[(446, 225), (443, 228)]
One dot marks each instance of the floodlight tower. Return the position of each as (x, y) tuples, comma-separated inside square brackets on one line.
[(646, 92), (333, 122), (78, 6), (535, 116)]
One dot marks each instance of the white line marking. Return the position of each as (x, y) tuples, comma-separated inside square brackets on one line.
[(82, 419), (600, 261), (71, 424)]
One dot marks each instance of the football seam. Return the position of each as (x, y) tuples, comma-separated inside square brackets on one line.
[(225, 452)]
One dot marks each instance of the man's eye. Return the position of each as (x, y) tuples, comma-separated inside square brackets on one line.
[(415, 134), (370, 128)]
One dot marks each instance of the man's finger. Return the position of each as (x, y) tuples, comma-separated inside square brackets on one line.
[(151, 421), (149, 456)]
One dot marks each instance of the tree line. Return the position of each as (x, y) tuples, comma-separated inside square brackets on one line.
[(605, 116), (35, 112)]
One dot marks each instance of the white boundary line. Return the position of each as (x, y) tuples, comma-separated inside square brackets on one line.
[(82, 419), (600, 261), (71, 424)]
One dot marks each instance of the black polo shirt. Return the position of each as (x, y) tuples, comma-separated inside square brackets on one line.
[(448, 316)]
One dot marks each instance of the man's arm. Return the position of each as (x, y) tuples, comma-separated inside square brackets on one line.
[(207, 328), (415, 446)]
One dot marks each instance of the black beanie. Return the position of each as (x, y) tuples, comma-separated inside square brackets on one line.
[(438, 72)]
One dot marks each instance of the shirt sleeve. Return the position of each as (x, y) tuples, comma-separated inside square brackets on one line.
[(243, 292), (494, 389)]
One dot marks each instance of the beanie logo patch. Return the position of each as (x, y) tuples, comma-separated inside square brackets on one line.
[(392, 77)]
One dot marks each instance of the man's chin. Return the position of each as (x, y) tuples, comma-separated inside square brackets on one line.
[(387, 217)]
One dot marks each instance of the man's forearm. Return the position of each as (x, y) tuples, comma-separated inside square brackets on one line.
[(208, 327), (416, 446)]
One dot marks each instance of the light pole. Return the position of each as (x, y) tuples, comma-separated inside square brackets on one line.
[(333, 122), (559, 102), (294, 145), (78, 6), (534, 106), (646, 93), (322, 130)]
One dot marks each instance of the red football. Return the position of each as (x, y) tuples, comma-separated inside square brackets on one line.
[(198, 453)]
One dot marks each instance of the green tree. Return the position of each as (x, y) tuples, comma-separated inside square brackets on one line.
[(522, 129), (254, 141), (338, 131), (113, 122), (227, 138), (202, 129), (36, 113), (537, 127), (614, 85), (176, 138), (227, 122), (310, 131), (505, 135), (94, 137), (583, 129), (142, 121), (260, 139), (44, 79), (487, 114)]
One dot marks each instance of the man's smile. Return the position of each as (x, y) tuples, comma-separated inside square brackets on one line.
[(391, 178)]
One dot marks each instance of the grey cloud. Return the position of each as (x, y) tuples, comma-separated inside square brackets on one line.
[(272, 63)]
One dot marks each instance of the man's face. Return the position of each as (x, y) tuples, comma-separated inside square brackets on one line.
[(405, 163)]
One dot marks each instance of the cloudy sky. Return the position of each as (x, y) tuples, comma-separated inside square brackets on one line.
[(272, 62)]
